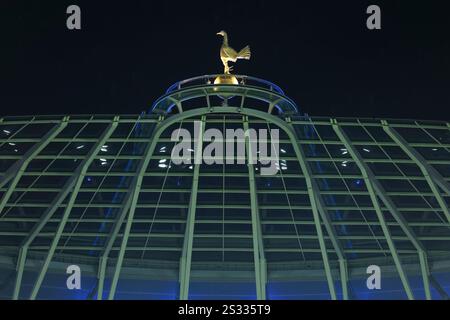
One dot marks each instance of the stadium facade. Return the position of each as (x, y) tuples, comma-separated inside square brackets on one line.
[(101, 192)]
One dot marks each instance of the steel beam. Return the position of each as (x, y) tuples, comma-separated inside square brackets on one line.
[(432, 177), (35, 231), (410, 234), (258, 245), (54, 205), (230, 206), (266, 222), (177, 103), (371, 184), (186, 254), (261, 115), (343, 267), (233, 249), (79, 180), (103, 261), (316, 206), (343, 270), (291, 133), (245, 111), (17, 169), (133, 198), (425, 271)]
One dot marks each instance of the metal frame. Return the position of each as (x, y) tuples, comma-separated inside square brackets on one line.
[(322, 210), (315, 203), (258, 245), (343, 269), (80, 175), (375, 189), (16, 171), (186, 254), (432, 177), (129, 206)]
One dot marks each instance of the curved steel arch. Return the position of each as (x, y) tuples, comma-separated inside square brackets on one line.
[(208, 78), (165, 103), (259, 114), (316, 205)]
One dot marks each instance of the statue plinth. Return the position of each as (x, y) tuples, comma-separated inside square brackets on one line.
[(226, 79)]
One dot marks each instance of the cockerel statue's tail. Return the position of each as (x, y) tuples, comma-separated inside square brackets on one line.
[(245, 53)]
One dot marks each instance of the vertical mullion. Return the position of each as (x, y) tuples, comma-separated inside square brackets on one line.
[(19, 269), (88, 160), (343, 267), (132, 199), (313, 194), (425, 274), (34, 232), (54, 205), (421, 251), (186, 255), (373, 196), (103, 260), (258, 246), (111, 239)]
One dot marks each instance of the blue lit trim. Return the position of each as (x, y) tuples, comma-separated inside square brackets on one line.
[(178, 84), (200, 81)]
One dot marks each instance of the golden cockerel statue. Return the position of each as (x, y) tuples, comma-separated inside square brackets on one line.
[(227, 53)]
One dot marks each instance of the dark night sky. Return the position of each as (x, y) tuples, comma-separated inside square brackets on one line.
[(319, 52)]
